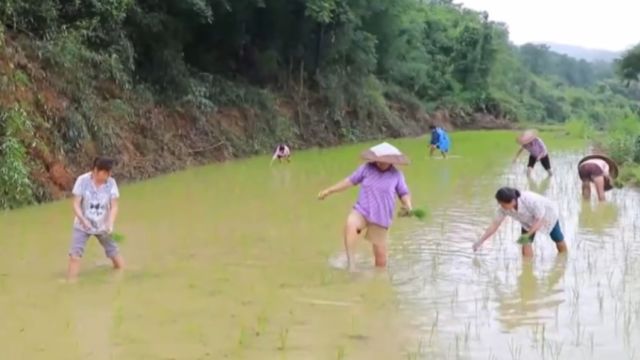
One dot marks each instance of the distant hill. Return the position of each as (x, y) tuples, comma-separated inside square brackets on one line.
[(585, 53)]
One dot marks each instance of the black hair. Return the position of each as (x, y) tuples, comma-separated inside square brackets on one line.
[(432, 127), (506, 195), (281, 147), (102, 163)]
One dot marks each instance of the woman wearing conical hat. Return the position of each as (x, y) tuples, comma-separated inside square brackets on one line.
[(530, 141), (598, 170), (380, 183)]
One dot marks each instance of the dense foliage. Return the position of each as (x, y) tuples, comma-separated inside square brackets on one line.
[(353, 52), (358, 61)]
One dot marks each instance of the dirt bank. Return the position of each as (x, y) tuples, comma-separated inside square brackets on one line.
[(70, 124)]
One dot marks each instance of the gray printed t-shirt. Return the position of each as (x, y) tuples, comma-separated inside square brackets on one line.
[(96, 202), (531, 207)]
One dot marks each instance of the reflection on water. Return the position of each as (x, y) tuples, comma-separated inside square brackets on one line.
[(540, 187), (532, 296), (598, 217), (495, 305)]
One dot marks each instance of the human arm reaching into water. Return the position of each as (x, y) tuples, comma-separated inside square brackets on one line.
[(495, 225), (518, 154), (274, 157)]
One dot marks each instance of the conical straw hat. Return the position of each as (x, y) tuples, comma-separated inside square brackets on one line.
[(385, 153), (527, 136)]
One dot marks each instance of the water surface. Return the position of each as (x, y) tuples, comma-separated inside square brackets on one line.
[(238, 261)]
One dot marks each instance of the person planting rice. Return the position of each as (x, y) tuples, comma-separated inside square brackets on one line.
[(534, 212), (439, 140), (530, 141), (380, 182), (598, 170), (95, 205), (282, 153)]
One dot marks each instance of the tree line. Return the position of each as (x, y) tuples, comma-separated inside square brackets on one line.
[(356, 54)]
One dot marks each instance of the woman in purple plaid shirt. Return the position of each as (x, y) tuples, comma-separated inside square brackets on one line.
[(530, 141)]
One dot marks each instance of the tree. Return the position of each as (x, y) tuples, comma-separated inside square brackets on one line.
[(629, 65)]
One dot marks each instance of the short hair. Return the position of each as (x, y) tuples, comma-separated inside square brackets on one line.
[(506, 195), (103, 163)]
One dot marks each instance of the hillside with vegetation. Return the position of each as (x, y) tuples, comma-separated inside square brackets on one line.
[(582, 53), (161, 85)]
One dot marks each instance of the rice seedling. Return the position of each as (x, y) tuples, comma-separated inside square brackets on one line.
[(555, 350), (524, 240), (283, 338), (243, 338), (492, 356), (544, 330), (433, 328), (118, 317), (117, 237), (341, 353), (467, 331), (514, 350), (261, 324), (415, 355), (600, 302), (418, 213)]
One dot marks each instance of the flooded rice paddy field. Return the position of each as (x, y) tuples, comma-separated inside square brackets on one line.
[(239, 261)]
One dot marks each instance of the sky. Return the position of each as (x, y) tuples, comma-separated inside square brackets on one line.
[(596, 24)]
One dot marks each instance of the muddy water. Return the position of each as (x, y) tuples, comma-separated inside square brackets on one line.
[(239, 261)]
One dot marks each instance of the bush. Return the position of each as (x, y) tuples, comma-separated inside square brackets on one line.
[(579, 128), (16, 188), (623, 141)]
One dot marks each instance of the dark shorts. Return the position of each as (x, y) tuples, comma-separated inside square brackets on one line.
[(546, 163), (556, 233), (588, 172)]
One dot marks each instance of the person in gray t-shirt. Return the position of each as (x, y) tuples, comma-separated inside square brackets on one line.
[(95, 204), (534, 212)]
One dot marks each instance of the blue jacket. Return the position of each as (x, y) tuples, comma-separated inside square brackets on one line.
[(440, 138)]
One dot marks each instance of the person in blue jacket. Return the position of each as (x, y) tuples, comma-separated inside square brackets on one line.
[(439, 140)]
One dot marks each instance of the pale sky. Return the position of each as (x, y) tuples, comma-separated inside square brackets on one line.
[(608, 25)]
